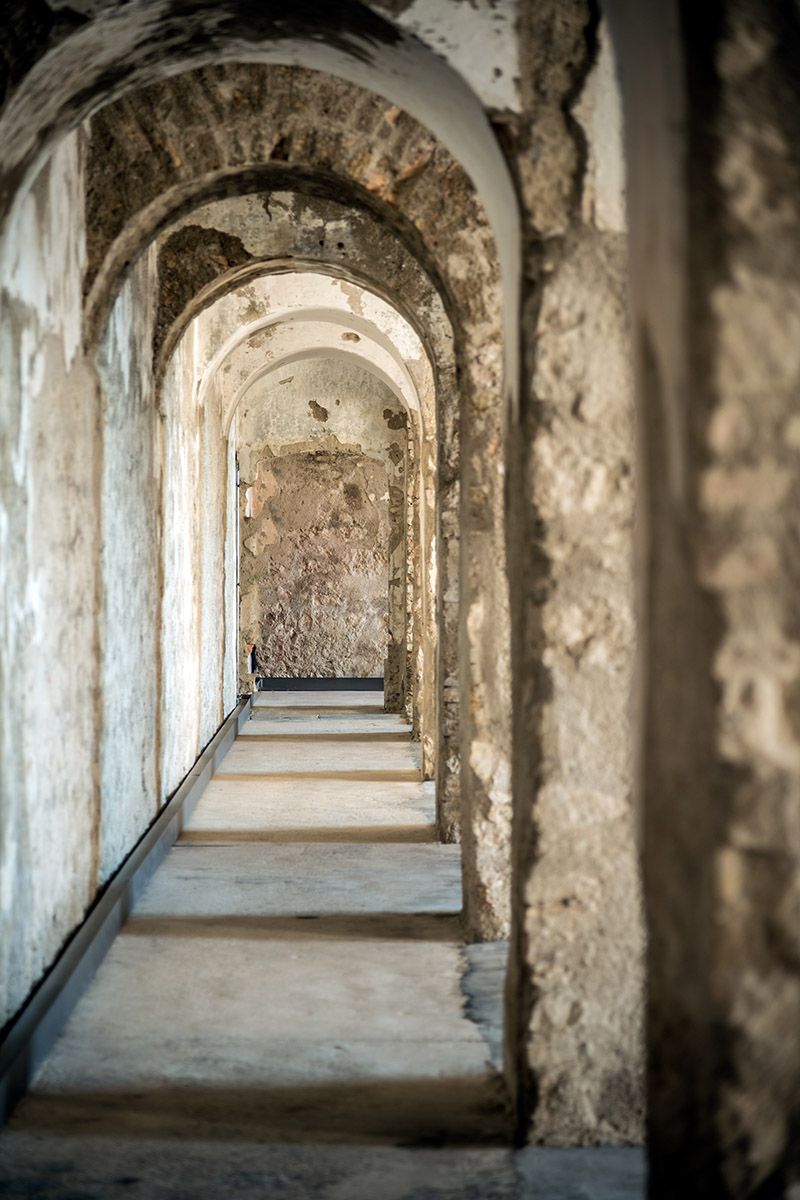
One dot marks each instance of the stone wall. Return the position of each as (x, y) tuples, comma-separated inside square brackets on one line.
[(577, 979), (319, 451), (315, 550), (716, 290), (198, 585)]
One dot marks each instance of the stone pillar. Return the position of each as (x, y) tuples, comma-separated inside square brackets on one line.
[(448, 767), (484, 668), (429, 569), (411, 490), (575, 1012), (394, 680), (448, 760), (414, 565), (715, 213)]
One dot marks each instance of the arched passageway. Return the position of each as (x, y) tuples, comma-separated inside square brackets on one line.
[(592, 694)]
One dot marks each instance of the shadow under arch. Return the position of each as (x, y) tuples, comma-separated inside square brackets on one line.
[(239, 276), (181, 199)]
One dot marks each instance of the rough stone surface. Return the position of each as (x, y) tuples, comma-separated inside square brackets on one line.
[(315, 556), (316, 475), (721, 846), (583, 897), (576, 1021), (49, 481)]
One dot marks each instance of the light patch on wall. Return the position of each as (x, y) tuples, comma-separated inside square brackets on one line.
[(599, 113), (478, 39)]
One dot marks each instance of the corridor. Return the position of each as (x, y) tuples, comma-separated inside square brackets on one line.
[(292, 974), (453, 347)]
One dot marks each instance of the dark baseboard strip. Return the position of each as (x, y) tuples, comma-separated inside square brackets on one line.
[(32, 1034), (317, 684)]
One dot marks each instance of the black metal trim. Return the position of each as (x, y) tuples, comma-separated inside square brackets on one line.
[(319, 684), (31, 1035)]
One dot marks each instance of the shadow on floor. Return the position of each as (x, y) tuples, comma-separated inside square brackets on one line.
[(101, 1168), (391, 834), (581, 1173), (412, 1112), (423, 927)]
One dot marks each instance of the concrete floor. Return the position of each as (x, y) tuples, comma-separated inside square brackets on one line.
[(289, 1011)]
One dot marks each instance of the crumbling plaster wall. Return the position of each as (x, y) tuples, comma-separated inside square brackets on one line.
[(576, 985), (319, 451)]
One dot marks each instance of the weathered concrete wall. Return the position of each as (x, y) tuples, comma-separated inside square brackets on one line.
[(576, 1015), (318, 536), (196, 522), (88, 751), (217, 580), (319, 451), (49, 559), (130, 505), (181, 620)]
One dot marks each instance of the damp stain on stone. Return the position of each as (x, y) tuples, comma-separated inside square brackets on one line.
[(189, 260), (395, 420), (353, 496)]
